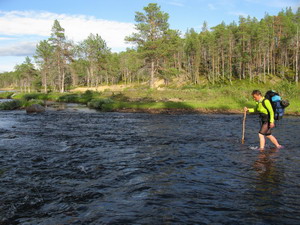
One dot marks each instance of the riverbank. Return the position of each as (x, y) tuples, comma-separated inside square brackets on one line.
[(189, 111), (228, 99)]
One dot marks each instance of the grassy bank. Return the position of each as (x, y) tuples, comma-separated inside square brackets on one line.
[(218, 98), (227, 99)]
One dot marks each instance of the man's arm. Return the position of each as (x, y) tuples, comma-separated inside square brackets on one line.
[(252, 110)]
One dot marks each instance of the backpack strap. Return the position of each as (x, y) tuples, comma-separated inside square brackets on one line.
[(264, 105)]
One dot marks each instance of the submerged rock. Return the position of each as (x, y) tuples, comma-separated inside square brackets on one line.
[(35, 108)]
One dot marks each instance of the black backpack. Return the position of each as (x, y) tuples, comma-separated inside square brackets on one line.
[(277, 103)]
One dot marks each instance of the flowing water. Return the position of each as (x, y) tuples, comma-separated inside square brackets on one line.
[(82, 167)]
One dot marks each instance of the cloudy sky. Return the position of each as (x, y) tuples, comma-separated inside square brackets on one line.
[(23, 23)]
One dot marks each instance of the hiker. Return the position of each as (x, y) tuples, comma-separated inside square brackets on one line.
[(267, 119)]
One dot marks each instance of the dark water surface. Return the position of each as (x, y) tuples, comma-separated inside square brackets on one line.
[(78, 167)]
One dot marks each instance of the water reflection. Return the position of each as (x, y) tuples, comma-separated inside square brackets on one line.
[(265, 166), (70, 107), (268, 185)]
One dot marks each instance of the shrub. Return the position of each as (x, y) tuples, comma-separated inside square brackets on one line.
[(88, 96), (120, 97), (32, 101), (53, 96), (11, 105), (5, 95), (100, 104), (28, 97), (71, 98)]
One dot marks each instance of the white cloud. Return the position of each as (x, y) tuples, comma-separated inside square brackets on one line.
[(211, 6), (77, 27), (238, 14), (6, 38), (176, 3), (18, 49), (281, 4)]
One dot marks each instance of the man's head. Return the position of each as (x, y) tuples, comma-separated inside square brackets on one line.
[(256, 95)]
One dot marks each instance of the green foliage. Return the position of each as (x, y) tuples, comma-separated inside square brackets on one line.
[(94, 57), (6, 95), (151, 25), (100, 104), (39, 96), (119, 97), (32, 102), (223, 98), (70, 98), (11, 105), (169, 74), (287, 89), (154, 36), (78, 97), (59, 97), (54, 96), (88, 95)]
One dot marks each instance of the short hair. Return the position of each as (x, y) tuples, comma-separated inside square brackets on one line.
[(256, 92)]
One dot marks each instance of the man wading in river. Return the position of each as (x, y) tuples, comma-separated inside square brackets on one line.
[(267, 119)]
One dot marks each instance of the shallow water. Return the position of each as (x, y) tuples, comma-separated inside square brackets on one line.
[(76, 167), (5, 100)]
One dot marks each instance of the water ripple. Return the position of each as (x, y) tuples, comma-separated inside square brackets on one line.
[(76, 167)]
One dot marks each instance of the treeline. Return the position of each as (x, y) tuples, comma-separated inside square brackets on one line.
[(250, 49)]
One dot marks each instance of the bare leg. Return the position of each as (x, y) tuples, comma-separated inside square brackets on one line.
[(262, 141), (274, 141)]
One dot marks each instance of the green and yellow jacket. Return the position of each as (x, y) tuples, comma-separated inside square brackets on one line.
[(261, 109)]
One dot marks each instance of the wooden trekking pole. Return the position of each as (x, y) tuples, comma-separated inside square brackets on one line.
[(244, 126)]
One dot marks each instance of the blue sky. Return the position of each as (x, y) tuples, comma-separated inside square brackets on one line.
[(23, 23)]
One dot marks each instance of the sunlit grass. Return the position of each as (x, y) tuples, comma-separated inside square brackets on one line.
[(6, 95), (218, 97)]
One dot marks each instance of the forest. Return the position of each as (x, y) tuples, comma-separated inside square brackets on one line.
[(250, 49)]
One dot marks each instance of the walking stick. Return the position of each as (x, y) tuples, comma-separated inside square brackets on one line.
[(244, 125)]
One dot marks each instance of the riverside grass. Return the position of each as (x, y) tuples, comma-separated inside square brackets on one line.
[(217, 98)]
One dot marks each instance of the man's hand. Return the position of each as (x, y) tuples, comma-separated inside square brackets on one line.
[(272, 125), (245, 109)]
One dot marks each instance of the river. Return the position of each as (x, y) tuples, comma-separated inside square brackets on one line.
[(87, 167)]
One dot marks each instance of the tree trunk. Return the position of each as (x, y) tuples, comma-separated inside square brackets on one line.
[(152, 74), (45, 82), (62, 90), (264, 67), (297, 54)]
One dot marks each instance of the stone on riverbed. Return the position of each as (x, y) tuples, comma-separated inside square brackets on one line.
[(35, 108)]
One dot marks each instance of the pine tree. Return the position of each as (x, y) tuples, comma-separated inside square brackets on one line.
[(60, 45), (152, 27), (43, 56)]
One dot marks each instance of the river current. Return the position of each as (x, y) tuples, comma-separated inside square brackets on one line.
[(86, 167)]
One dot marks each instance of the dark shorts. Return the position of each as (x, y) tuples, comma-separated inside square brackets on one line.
[(265, 125), (265, 129)]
